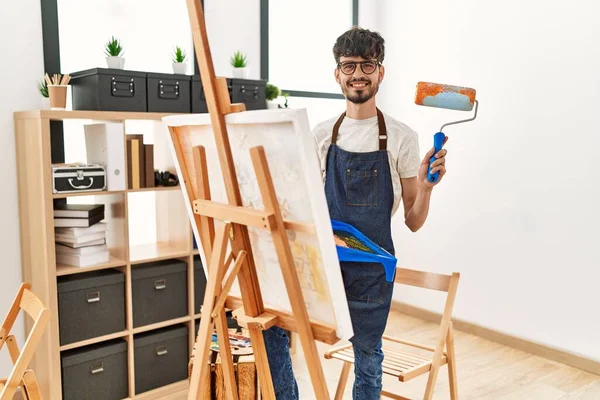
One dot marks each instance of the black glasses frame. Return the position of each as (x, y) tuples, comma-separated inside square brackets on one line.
[(362, 68)]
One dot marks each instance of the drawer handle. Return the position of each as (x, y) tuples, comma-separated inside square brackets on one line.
[(161, 350), (93, 297), (96, 368), (160, 284)]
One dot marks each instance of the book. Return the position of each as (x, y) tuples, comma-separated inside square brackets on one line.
[(75, 231), (82, 251), (78, 245), (83, 260), (77, 222), (78, 210), (65, 238)]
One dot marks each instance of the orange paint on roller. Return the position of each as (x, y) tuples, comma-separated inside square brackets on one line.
[(445, 96)]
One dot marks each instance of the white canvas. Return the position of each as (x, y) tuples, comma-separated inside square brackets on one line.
[(290, 152)]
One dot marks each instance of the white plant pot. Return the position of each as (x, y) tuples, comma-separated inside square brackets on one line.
[(272, 104), (241, 73), (179, 68), (45, 103), (115, 62)]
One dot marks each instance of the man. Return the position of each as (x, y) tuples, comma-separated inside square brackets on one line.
[(370, 164)]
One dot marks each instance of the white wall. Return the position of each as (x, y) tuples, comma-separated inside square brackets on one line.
[(22, 24), (517, 214)]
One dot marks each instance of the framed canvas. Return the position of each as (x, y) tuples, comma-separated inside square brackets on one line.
[(290, 151)]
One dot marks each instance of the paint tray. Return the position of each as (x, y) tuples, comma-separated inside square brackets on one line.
[(362, 249)]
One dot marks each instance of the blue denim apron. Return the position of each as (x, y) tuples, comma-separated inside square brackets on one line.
[(359, 191)]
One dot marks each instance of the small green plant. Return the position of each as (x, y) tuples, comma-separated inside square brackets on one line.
[(179, 55), (285, 104), (43, 88), (113, 48), (271, 91), (238, 60)]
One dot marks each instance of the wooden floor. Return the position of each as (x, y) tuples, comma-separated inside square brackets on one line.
[(486, 370)]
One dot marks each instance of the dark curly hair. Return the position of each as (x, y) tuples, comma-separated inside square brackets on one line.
[(359, 42)]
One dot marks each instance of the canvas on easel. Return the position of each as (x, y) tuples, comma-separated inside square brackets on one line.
[(286, 138)]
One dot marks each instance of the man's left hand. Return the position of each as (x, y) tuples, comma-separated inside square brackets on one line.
[(438, 165)]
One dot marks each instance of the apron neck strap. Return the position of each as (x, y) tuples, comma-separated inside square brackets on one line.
[(380, 124)]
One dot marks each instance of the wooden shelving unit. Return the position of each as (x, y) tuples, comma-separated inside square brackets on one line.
[(174, 241)]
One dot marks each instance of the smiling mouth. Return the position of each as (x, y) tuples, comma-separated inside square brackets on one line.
[(358, 85)]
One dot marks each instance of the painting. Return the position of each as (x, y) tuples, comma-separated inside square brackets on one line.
[(286, 138)]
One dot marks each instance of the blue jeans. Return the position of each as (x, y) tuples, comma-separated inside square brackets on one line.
[(277, 343), (367, 374)]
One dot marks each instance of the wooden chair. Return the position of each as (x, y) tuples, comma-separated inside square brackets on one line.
[(407, 365), (20, 375)]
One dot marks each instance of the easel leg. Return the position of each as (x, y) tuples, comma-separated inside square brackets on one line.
[(226, 357), (262, 363), (199, 373), (452, 363)]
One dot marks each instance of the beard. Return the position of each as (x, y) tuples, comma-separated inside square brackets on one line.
[(360, 95)]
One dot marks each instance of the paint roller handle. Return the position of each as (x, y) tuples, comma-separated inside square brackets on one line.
[(438, 143)]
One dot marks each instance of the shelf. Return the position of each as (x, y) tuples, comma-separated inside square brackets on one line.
[(70, 269), (196, 252), (157, 251), (159, 325), (81, 194), (155, 189), (197, 316), (59, 115), (164, 391), (98, 339)]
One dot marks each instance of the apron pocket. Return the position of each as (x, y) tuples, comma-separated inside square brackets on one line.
[(362, 187), (365, 282)]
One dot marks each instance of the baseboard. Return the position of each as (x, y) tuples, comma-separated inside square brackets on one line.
[(537, 349)]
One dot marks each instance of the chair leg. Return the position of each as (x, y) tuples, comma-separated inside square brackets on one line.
[(452, 364), (339, 392), (30, 384)]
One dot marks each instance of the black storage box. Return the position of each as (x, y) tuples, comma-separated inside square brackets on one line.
[(169, 92), (161, 357), (104, 89), (159, 291), (199, 284), (250, 92), (96, 372), (90, 304), (71, 178)]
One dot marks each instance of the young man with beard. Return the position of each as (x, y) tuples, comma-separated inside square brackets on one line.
[(370, 163)]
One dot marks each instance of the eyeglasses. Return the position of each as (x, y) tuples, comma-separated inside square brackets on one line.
[(367, 67)]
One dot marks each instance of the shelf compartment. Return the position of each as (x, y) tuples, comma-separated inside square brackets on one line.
[(142, 253), (95, 340), (159, 325), (69, 269)]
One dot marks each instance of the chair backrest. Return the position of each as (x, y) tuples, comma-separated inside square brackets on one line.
[(433, 281), (35, 308)]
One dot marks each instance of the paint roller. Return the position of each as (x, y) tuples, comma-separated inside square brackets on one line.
[(449, 97)]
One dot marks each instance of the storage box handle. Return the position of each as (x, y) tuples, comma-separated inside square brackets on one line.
[(168, 90), (97, 368), (93, 297), (81, 186), (122, 87), (160, 284), (161, 350), (256, 92)]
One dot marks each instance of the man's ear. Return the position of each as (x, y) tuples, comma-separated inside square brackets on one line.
[(336, 74), (381, 72)]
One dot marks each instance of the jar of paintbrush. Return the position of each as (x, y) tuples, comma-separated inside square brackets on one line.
[(57, 90)]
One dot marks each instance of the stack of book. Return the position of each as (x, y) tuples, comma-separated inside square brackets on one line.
[(80, 235)]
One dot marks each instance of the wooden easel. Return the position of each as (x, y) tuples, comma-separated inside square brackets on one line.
[(235, 231)]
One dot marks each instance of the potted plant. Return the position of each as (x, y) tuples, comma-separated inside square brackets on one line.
[(179, 64), (239, 63), (43, 89), (271, 93), (285, 96), (114, 54)]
